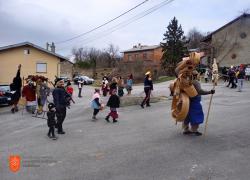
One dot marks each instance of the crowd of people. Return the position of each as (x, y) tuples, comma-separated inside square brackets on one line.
[(115, 88), (36, 91), (235, 76)]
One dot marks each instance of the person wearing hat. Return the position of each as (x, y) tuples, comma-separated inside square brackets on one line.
[(51, 122), (59, 97), (148, 87), (195, 115)]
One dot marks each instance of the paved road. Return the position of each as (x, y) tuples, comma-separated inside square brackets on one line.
[(145, 144)]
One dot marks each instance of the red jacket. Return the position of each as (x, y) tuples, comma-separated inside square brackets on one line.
[(29, 93), (69, 90)]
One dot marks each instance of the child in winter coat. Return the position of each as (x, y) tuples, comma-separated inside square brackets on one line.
[(69, 88), (51, 120), (105, 88), (113, 103), (95, 103)]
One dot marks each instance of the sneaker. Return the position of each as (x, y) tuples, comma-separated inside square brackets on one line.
[(54, 137)]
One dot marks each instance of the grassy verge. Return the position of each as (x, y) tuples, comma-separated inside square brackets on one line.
[(161, 79), (164, 78)]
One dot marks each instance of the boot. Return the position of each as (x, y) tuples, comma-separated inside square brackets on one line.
[(115, 121), (16, 109), (107, 118)]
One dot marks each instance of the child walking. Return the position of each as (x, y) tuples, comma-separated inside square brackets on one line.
[(113, 103), (95, 103), (105, 87), (51, 120)]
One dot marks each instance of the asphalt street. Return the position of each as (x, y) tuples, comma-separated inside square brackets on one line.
[(145, 144)]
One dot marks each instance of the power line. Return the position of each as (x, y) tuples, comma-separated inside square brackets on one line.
[(123, 24), (102, 24)]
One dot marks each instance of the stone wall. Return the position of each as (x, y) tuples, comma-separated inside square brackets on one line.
[(232, 43)]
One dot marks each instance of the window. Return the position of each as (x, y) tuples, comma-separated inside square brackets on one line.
[(129, 57), (41, 67), (26, 51), (136, 56)]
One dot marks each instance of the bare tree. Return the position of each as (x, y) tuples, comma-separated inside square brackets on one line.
[(80, 54), (113, 51), (194, 37), (94, 55)]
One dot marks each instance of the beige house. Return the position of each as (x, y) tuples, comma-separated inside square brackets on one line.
[(229, 44), (35, 60)]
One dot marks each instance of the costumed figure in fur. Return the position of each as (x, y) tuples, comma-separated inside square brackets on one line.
[(186, 91)]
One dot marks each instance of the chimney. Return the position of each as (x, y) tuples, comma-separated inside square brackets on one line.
[(139, 45), (53, 47), (47, 46)]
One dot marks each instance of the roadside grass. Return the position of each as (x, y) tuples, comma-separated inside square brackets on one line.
[(97, 83), (164, 79), (161, 79)]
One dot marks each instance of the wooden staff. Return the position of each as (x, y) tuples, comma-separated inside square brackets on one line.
[(215, 72)]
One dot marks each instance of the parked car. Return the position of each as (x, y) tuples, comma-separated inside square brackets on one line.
[(5, 95), (85, 79), (65, 78)]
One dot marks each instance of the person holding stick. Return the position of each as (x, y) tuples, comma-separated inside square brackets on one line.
[(195, 115)]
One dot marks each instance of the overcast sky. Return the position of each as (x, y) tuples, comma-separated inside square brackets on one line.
[(41, 21)]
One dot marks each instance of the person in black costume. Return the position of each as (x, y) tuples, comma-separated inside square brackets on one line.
[(16, 86), (51, 122)]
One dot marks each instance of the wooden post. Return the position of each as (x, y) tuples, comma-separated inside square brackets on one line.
[(215, 72)]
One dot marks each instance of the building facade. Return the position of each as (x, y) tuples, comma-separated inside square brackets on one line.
[(229, 44), (34, 60), (148, 54)]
